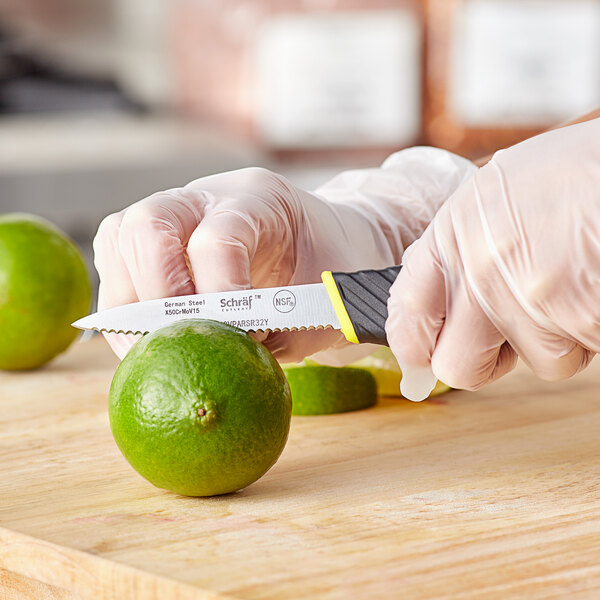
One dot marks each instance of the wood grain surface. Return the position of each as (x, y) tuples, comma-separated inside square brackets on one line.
[(493, 494)]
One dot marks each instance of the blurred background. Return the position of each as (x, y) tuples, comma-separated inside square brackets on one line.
[(103, 102)]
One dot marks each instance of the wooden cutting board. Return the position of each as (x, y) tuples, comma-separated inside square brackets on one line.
[(494, 494)]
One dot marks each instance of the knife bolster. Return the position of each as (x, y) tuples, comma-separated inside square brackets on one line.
[(339, 307)]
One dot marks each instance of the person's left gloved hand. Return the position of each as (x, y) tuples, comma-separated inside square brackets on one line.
[(253, 228)]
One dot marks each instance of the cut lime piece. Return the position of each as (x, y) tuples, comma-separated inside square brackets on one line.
[(321, 390), (384, 367)]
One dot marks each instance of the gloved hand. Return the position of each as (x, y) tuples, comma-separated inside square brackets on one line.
[(509, 266), (253, 228)]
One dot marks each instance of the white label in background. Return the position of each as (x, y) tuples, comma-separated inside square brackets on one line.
[(339, 79), (525, 62)]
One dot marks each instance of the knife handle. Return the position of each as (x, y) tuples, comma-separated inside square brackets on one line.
[(360, 302)]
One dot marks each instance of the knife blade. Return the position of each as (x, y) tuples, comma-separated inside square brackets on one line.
[(354, 302)]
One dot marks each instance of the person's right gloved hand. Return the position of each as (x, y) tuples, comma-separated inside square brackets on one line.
[(509, 266), (253, 228)]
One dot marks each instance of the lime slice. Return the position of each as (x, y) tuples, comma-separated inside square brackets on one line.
[(321, 390), (383, 366)]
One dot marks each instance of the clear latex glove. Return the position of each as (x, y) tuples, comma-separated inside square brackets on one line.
[(509, 266), (252, 228)]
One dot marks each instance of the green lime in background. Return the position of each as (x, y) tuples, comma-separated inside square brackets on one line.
[(44, 287)]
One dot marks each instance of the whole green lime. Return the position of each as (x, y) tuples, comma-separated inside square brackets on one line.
[(44, 287), (200, 408)]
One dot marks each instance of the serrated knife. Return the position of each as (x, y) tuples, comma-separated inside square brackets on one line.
[(355, 302)]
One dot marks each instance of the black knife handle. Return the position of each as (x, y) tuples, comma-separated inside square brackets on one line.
[(360, 302)]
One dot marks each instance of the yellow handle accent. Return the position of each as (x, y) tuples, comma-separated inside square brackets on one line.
[(339, 307)]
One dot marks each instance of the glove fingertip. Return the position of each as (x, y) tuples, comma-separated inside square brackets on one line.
[(417, 382)]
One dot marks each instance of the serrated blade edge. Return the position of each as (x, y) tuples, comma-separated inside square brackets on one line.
[(274, 330)]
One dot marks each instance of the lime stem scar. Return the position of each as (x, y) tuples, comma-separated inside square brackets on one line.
[(201, 412)]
